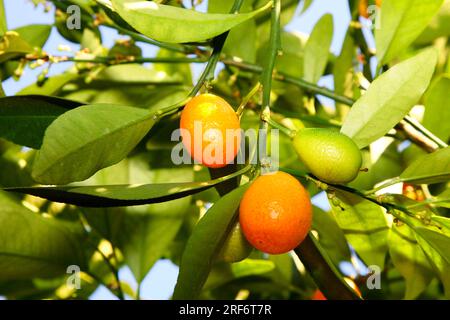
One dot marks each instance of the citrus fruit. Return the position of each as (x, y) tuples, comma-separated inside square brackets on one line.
[(275, 213), (330, 155), (318, 295), (235, 247), (210, 130)]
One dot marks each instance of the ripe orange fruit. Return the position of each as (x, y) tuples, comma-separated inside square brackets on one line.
[(275, 213), (210, 130)]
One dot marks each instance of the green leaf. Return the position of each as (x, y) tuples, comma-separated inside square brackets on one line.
[(241, 41), (84, 140), (437, 112), (438, 27), (32, 246), (122, 195), (343, 71), (402, 21), (389, 98), (12, 46), (2, 92), (409, 260), (204, 243), (330, 236), (3, 26), (429, 168), (252, 267), (175, 25), (439, 241), (317, 49), (364, 225), (35, 34), (51, 86), (24, 119), (141, 75), (439, 263), (146, 236), (306, 5)]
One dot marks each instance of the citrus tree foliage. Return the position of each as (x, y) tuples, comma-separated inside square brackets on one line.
[(86, 174)]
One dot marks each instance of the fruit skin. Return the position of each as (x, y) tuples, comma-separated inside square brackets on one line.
[(275, 213), (318, 295), (236, 247), (330, 155), (215, 113)]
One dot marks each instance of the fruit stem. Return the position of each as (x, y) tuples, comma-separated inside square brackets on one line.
[(290, 133), (247, 98)]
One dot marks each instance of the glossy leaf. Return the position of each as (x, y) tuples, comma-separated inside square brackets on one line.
[(317, 49), (364, 225), (122, 195), (389, 98), (409, 260), (401, 22), (24, 119), (203, 244), (87, 139), (429, 168), (175, 25), (437, 111), (32, 246)]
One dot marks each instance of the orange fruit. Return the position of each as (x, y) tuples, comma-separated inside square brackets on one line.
[(318, 295), (210, 130), (275, 213), (363, 7)]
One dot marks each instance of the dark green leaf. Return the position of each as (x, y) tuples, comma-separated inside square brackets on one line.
[(24, 119), (204, 243)]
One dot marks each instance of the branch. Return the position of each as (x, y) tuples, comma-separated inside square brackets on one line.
[(267, 75), (325, 274)]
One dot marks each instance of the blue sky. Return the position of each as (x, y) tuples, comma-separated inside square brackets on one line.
[(160, 281)]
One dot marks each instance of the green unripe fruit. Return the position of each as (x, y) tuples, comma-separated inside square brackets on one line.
[(235, 247), (330, 155)]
